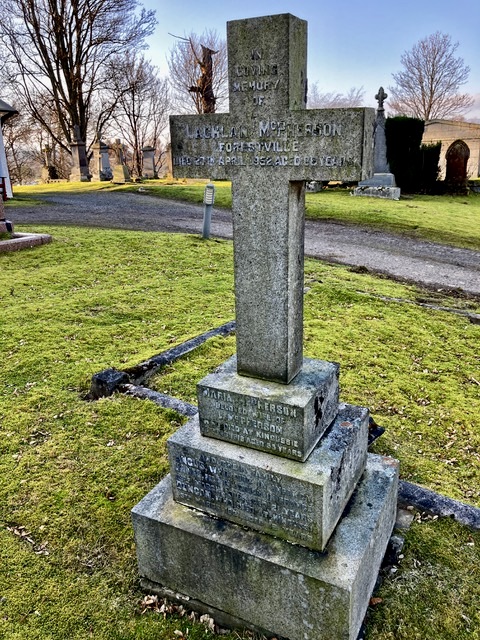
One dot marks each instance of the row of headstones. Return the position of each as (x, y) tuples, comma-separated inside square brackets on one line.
[(101, 168)]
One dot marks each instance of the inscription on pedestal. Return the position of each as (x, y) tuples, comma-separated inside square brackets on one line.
[(247, 500), (285, 420), (297, 501)]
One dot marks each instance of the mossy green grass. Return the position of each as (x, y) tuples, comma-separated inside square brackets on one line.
[(71, 470)]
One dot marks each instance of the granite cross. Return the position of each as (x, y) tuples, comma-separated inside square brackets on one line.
[(268, 146)]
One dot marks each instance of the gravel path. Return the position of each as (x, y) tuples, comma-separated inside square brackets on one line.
[(400, 257)]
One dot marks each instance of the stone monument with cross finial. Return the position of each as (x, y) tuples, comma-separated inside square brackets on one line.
[(248, 526), (382, 183)]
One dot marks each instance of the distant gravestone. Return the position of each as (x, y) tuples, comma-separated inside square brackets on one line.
[(149, 169), (49, 171), (271, 460), (101, 162), (121, 173), (79, 170), (457, 161), (382, 184)]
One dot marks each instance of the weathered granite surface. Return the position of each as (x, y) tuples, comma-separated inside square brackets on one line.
[(287, 420), (297, 501), (292, 591), (266, 535), (268, 145)]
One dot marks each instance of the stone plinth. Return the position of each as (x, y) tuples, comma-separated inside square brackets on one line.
[(379, 180), (296, 501), (80, 170), (287, 589), (287, 420), (378, 191)]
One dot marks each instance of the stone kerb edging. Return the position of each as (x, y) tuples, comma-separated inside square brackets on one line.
[(24, 241)]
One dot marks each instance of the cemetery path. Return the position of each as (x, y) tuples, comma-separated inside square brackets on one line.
[(398, 256)]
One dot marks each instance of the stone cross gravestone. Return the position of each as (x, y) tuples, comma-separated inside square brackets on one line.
[(268, 145), (248, 525)]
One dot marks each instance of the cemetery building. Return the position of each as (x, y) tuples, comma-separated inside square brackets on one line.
[(460, 146)]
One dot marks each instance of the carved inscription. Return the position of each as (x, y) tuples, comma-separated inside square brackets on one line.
[(271, 143), (256, 78), (244, 493), (253, 422)]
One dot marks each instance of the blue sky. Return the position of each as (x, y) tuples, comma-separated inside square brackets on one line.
[(350, 44)]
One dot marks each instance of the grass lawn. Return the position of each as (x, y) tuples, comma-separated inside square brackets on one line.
[(71, 470), (451, 220)]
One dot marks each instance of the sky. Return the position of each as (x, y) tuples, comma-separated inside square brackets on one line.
[(350, 43)]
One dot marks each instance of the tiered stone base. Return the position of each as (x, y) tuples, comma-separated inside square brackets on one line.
[(289, 590), (298, 501)]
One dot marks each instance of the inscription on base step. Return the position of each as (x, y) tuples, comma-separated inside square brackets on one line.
[(264, 415), (245, 494), (255, 422), (298, 501)]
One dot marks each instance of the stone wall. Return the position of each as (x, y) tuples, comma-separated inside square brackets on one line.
[(447, 132)]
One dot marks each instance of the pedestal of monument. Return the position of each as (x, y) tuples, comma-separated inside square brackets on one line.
[(260, 541), (80, 171), (274, 516), (248, 579)]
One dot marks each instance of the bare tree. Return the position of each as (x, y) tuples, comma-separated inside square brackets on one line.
[(59, 50), (142, 104), (317, 100), (198, 73), (428, 86)]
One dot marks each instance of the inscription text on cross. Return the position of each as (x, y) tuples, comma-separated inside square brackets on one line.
[(268, 146)]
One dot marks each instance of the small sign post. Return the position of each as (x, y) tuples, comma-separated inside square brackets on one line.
[(208, 200)]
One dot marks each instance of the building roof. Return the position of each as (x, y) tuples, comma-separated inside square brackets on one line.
[(454, 123), (6, 111)]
